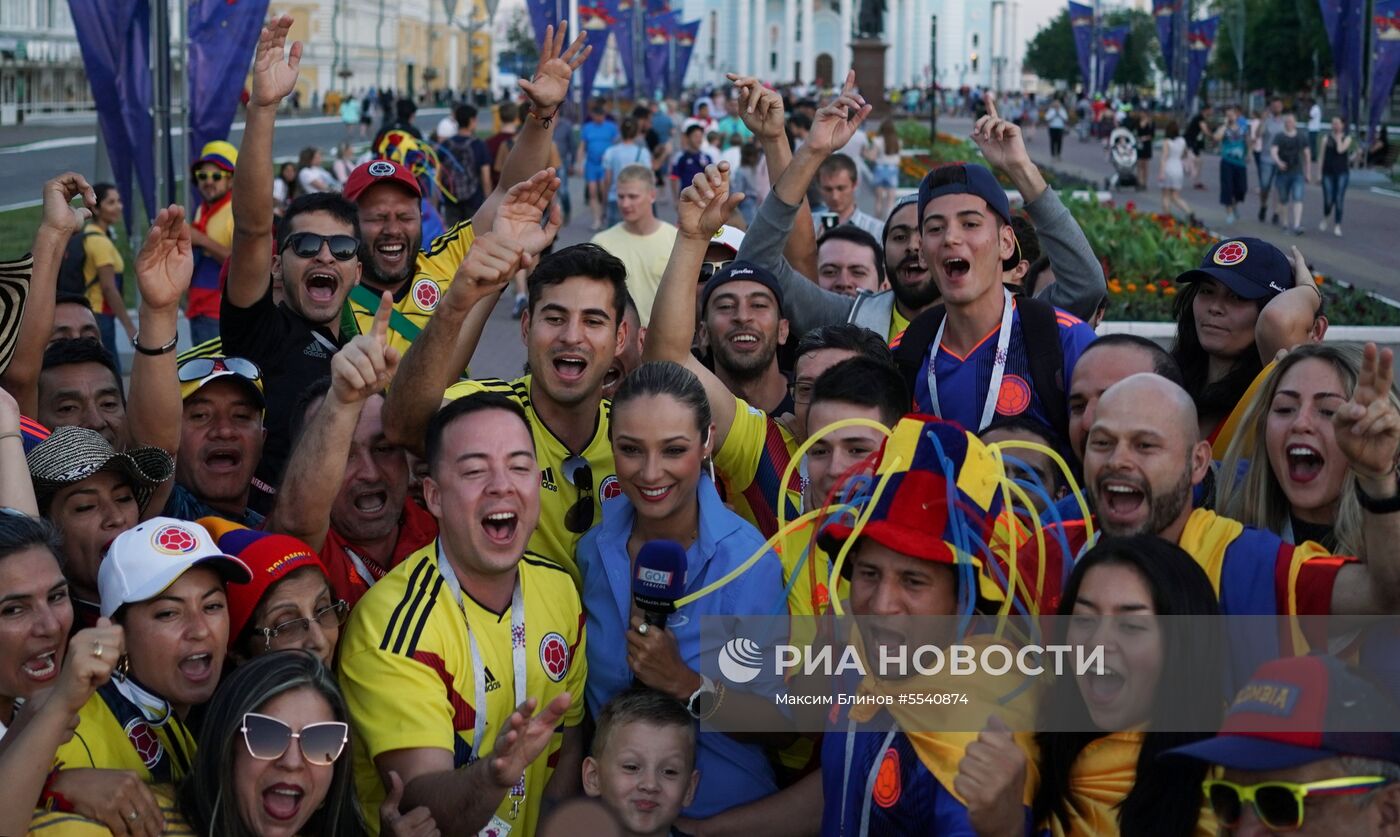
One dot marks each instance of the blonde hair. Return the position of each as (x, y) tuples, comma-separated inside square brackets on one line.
[(1253, 495)]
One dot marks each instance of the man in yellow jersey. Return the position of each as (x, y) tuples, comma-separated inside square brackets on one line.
[(391, 217), (573, 328), (463, 668)]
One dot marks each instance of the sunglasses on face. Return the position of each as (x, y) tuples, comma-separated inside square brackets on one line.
[(1280, 805), (579, 473), (294, 631), (210, 176), (197, 368), (268, 739), (708, 269), (307, 245)]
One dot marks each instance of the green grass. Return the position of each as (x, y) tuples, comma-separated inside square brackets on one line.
[(17, 228)]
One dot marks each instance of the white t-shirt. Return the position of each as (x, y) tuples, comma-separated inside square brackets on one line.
[(446, 128), (316, 179), (1315, 117)]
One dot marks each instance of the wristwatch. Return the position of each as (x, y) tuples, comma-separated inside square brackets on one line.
[(702, 700)]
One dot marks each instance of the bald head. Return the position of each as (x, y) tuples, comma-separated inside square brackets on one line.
[(1160, 402)]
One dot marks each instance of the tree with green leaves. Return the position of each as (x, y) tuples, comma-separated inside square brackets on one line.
[(521, 50), (1051, 53), (1285, 45)]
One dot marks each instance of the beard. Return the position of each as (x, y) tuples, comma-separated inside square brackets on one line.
[(915, 297), (1162, 510), (374, 275), (743, 367)]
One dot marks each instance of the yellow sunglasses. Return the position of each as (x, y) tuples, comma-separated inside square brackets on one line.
[(1279, 805)]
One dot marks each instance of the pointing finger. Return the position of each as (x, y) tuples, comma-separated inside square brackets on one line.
[(380, 330), (991, 102)]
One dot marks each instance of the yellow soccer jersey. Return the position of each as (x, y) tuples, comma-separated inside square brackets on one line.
[(751, 462), (418, 299), (101, 741), (65, 824), (407, 671), (557, 495)]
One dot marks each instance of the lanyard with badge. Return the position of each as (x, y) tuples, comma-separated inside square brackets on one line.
[(870, 778), (517, 653), (989, 409)]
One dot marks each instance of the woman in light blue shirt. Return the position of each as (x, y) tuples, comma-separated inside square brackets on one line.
[(661, 435)]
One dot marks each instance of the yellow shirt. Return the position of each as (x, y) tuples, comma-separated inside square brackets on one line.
[(408, 673), (552, 539), (419, 297), (750, 466), (645, 258), (100, 252), (898, 323), (65, 824), (100, 741)]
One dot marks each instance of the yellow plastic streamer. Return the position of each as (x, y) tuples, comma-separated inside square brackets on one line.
[(811, 440), (1074, 488), (856, 530)]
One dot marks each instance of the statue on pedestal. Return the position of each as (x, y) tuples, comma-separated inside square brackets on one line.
[(871, 21)]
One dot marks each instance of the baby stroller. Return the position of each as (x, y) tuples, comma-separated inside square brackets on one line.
[(1122, 152)]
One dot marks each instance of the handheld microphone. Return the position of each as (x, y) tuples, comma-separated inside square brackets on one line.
[(658, 579)]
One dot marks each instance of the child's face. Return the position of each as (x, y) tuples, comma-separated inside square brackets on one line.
[(644, 775)]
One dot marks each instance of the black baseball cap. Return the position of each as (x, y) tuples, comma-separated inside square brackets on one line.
[(971, 179), (1251, 267), (741, 271)]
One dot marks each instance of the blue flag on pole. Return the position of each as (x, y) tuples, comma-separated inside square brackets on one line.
[(622, 11), (658, 53), (1081, 23), (1199, 40), (1385, 59), (685, 48), (1164, 12), (595, 18), (114, 37), (222, 37), (1111, 43)]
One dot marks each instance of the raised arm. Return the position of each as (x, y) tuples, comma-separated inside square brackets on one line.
[(1293, 317), (1079, 282), (274, 77), (16, 490), (761, 109), (546, 89), (60, 222), (163, 271)]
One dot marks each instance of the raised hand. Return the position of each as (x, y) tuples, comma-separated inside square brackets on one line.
[(416, 823), (525, 738), (92, 654), (1000, 139), (519, 215), (490, 264), (760, 108), (550, 82), (991, 779), (274, 66), (706, 203), (1368, 426), (367, 363), (165, 264), (59, 213), (835, 124)]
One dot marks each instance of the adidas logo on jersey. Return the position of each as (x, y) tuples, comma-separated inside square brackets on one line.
[(492, 684), (315, 349), (547, 482)]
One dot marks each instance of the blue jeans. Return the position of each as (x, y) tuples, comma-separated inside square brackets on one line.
[(107, 327), (202, 329), (1334, 191)]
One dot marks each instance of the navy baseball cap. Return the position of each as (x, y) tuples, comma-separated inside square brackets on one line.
[(1298, 710), (1251, 267), (975, 180), (741, 271)]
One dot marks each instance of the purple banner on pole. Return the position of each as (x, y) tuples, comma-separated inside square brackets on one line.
[(222, 35), (1385, 58), (1081, 23), (1110, 51), (1199, 39), (1348, 51), (596, 19), (686, 35), (1331, 14), (1164, 13), (114, 37), (659, 33), (657, 7), (543, 14), (622, 12)]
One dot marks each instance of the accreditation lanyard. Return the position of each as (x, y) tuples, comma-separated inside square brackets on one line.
[(870, 778), (989, 409), (517, 653)]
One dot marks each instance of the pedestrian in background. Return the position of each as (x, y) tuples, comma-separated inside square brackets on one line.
[(1336, 174), (1055, 119)]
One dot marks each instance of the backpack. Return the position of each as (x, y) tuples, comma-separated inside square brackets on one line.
[(70, 267), (1039, 330), (462, 172)]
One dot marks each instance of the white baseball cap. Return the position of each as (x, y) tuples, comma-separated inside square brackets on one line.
[(727, 236), (145, 560)]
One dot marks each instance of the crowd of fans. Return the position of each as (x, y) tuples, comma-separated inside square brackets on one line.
[(279, 584)]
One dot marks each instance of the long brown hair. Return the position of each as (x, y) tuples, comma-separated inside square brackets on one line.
[(890, 135)]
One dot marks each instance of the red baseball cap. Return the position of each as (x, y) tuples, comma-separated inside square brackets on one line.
[(270, 558), (366, 175)]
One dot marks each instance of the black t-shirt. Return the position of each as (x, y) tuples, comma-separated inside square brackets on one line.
[(1334, 162), (1290, 150), (292, 354)]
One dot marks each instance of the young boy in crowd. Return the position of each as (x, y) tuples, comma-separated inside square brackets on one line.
[(643, 762)]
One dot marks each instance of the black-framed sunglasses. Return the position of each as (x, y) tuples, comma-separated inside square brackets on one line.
[(210, 176), (307, 245), (295, 630), (268, 739), (579, 518), (708, 269), (197, 368)]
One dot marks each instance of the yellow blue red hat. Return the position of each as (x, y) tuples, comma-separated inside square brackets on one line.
[(220, 153)]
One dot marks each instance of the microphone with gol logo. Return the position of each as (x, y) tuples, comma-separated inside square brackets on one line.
[(658, 579)]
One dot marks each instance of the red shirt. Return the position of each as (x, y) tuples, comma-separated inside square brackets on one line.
[(417, 529)]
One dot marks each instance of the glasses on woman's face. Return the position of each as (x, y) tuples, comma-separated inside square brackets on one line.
[(579, 473), (1280, 805), (294, 631), (268, 739)]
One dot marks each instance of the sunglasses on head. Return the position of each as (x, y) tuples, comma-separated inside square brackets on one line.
[(268, 739), (197, 368), (579, 473), (210, 176), (1279, 805), (307, 245), (708, 269)]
